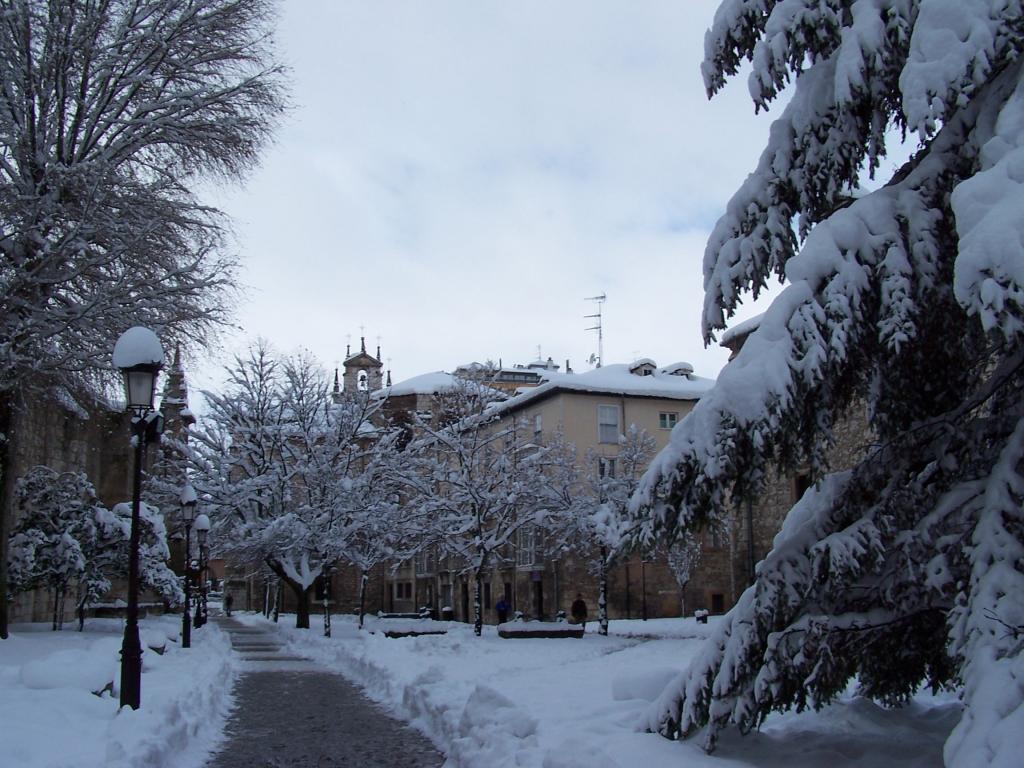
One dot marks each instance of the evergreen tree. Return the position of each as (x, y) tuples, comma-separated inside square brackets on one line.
[(909, 298), (65, 538)]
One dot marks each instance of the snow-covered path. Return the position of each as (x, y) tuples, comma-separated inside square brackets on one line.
[(289, 711), (494, 703)]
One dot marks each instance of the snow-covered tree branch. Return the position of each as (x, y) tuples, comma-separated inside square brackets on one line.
[(110, 113)]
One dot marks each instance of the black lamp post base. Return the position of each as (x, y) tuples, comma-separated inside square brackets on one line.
[(131, 667)]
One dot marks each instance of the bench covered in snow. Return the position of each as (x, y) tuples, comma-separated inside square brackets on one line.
[(521, 629)]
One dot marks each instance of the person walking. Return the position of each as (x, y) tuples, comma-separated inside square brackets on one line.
[(579, 611), (228, 602)]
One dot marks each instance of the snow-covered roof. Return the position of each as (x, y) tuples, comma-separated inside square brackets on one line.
[(613, 380), (739, 330), (424, 384), (677, 369)]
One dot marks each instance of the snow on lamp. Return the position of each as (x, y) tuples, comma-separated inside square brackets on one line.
[(189, 502), (140, 357), (202, 526)]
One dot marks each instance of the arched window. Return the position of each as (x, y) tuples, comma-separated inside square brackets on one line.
[(363, 381)]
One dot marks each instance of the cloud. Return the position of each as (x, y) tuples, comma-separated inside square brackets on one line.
[(458, 176)]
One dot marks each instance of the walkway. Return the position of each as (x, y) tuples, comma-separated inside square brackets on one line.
[(291, 712)]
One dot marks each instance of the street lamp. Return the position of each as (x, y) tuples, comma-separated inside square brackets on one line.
[(202, 526), (139, 357), (188, 516)]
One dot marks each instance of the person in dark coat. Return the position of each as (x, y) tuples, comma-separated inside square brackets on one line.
[(579, 611), (228, 602), (501, 607)]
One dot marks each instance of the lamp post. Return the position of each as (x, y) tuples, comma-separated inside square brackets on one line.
[(140, 357), (202, 526), (188, 516)]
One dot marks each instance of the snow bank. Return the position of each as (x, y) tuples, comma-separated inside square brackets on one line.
[(53, 717)]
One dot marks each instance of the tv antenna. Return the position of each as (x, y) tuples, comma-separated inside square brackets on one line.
[(597, 327)]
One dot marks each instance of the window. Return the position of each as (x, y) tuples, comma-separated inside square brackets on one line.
[(605, 467), (526, 551), (717, 603), (426, 563), (608, 424), (667, 419), (403, 590)]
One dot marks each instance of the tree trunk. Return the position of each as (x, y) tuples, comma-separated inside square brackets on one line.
[(478, 617), (6, 496), (301, 606), (602, 594), (301, 596), (327, 606), (478, 588), (56, 602), (363, 579), (277, 601), (267, 608)]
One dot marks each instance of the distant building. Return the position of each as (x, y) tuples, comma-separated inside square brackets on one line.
[(511, 380), (590, 410)]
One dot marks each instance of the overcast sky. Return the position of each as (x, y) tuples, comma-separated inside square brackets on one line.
[(458, 177)]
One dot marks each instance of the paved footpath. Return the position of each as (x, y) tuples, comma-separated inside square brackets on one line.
[(290, 711)]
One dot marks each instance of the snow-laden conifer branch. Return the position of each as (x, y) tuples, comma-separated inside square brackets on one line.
[(904, 308)]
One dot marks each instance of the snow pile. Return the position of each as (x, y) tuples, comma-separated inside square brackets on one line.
[(59, 705), (493, 703)]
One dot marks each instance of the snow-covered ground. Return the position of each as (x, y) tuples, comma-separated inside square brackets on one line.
[(52, 719), (568, 703)]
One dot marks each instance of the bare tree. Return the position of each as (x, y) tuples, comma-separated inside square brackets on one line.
[(683, 557), (109, 112), (282, 462), (484, 481), (596, 527)]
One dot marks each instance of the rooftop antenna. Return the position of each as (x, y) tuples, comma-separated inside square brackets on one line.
[(597, 327)]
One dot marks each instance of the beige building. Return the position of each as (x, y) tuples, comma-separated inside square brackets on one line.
[(590, 410)]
